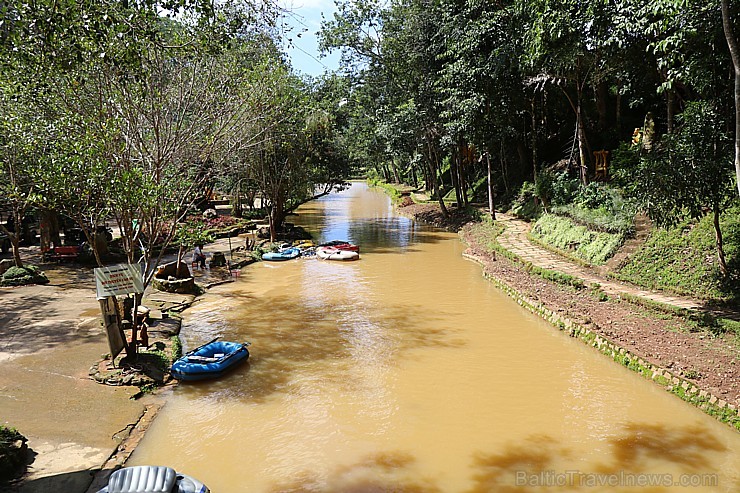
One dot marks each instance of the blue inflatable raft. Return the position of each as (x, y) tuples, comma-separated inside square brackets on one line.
[(287, 254), (210, 360)]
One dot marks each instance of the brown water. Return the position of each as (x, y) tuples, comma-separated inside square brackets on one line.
[(406, 371)]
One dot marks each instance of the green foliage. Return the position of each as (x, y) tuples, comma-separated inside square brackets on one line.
[(391, 190), (563, 234), (593, 196), (176, 349), (192, 233), (21, 276), (564, 188), (597, 206), (12, 458), (524, 205), (683, 259), (685, 174)]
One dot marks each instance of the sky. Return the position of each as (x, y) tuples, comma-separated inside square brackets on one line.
[(306, 20)]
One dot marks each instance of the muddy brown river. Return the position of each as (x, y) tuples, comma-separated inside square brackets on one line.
[(406, 371)]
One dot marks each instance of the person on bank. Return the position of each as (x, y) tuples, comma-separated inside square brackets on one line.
[(199, 257)]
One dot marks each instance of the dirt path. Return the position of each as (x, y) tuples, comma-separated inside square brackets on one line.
[(515, 239)]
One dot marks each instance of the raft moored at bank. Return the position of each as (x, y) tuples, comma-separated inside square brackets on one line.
[(211, 360), (333, 253), (287, 254), (152, 479)]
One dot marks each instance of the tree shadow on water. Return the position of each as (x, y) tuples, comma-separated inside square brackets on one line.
[(292, 338), (382, 472), (537, 462), (505, 471), (641, 444)]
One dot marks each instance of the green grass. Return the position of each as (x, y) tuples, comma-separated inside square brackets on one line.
[(561, 233), (390, 189), (609, 220), (683, 260)]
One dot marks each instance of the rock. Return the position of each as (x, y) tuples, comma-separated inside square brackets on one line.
[(181, 286), (218, 259), (172, 269)]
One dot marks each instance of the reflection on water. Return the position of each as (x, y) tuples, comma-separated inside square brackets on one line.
[(406, 371)]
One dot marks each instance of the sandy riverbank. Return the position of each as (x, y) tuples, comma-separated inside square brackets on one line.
[(50, 336)]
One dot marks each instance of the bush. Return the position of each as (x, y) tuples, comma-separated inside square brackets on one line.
[(564, 188), (593, 196), (13, 453), (683, 260), (524, 205), (21, 276)]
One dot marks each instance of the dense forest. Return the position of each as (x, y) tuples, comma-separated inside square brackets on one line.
[(594, 110)]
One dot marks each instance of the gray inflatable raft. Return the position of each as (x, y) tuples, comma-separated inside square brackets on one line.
[(152, 479)]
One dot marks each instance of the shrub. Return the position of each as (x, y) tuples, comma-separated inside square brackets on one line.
[(13, 453), (524, 205), (21, 276), (593, 196), (564, 188)]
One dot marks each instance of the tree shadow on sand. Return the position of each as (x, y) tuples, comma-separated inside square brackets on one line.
[(20, 336)]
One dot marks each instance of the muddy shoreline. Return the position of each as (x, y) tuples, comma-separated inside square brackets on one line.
[(697, 359)]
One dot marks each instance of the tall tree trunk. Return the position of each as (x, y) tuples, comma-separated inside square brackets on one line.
[(414, 176), (670, 103), (720, 244), (49, 233), (491, 204), (15, 237), (455, 174), (602, 97), (534, 138), (582, 152), (386, 173), (461, 177), (618, 109), (433, 163), (735, 55), (396, 176)]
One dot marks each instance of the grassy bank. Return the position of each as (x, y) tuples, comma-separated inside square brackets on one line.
[(564, 235), (683, 260)]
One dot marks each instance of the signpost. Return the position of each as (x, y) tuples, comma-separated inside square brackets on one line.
[(111, 282)]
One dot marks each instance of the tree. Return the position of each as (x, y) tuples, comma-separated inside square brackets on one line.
[(684, 175), (735, 56), (17, 153)]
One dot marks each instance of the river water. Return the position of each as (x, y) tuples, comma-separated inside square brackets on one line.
[(406, 371)]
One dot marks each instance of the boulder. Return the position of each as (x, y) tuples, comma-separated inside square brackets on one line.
[(218, 259), (172, 269)]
